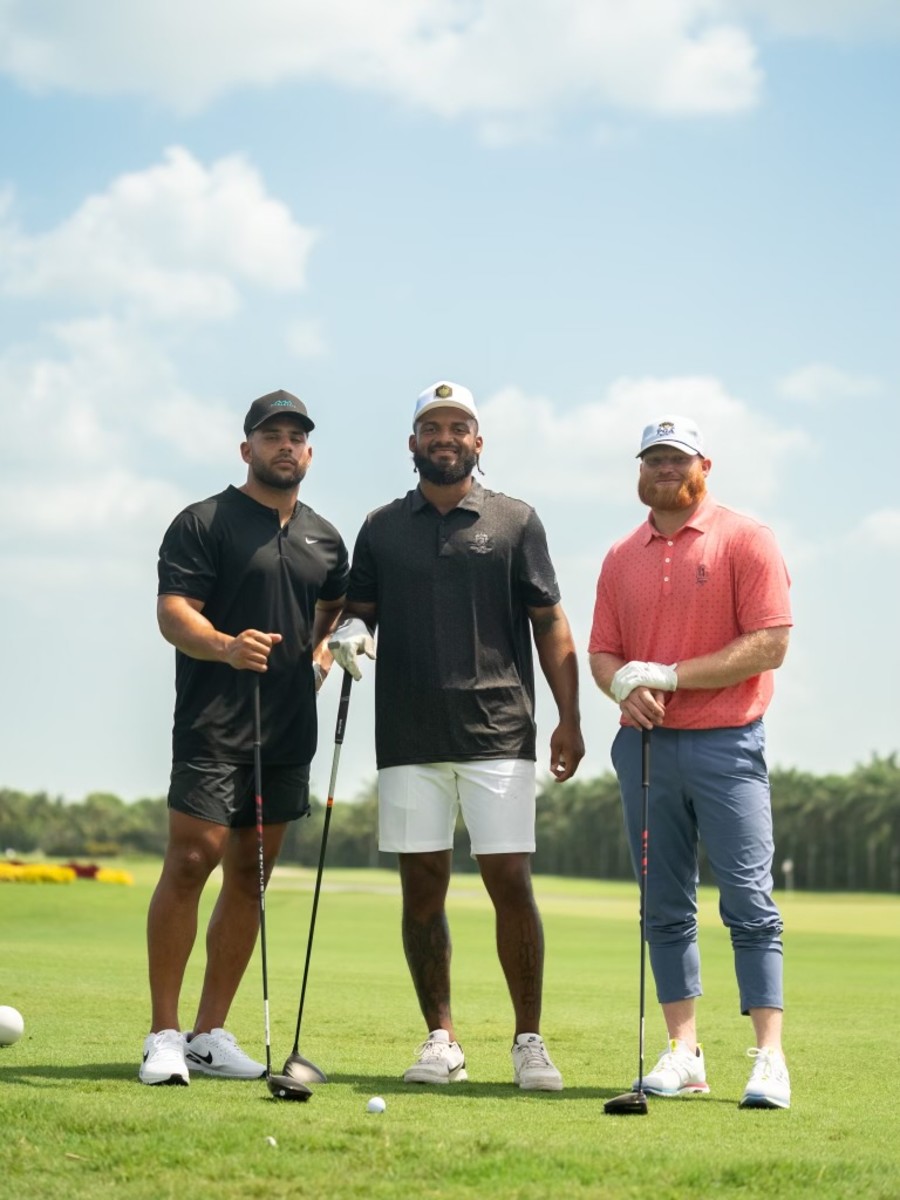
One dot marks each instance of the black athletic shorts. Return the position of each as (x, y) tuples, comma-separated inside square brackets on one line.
[(225, 794)]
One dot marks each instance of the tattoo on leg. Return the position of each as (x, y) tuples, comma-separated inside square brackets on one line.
[(428, 950)]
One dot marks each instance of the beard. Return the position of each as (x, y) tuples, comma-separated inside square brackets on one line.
[(444, 476), (667, 497), (270, 478)]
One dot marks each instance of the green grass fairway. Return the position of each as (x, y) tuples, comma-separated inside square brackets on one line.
[(76, 1123)]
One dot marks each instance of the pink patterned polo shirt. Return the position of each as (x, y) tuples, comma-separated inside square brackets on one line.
[(665, 599)]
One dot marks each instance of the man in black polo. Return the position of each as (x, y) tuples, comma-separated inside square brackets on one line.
[(458, 579), (250, 583)]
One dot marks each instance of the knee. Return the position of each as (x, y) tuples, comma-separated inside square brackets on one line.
[(508, 880), (188, 866), (424, 882)]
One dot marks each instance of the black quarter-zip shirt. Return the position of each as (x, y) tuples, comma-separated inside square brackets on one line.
[(232, 553)]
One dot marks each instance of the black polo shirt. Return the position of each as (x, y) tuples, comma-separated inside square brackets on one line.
[(454, 678), (230, 552)]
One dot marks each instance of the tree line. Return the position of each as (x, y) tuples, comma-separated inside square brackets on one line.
[(832, 832)]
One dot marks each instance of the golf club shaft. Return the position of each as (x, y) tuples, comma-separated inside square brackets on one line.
[(261, 855), (343, 705), (645, 814)]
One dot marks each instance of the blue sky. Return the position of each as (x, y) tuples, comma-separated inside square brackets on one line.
[(590, 213)]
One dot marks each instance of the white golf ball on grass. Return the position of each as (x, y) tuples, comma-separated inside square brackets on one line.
[(12, 1026), (376, 1104)]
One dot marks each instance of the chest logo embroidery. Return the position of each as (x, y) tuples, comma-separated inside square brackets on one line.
[(702, 574), (481, 543), (311, 541)]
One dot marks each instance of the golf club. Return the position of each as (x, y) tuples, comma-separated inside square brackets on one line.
[(635, 1103), (281, 1087), (296, 1066)]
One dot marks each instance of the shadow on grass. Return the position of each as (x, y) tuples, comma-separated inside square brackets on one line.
[(38, 1075), (41, 1074)]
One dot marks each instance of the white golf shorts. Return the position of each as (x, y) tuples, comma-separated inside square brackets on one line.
[(418, 806)]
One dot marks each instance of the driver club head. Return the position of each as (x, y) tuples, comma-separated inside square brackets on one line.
[(301, 1070), (629, 1104), (283, 1087)]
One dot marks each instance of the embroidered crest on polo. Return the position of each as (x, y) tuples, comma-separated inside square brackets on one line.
[(481, 543)]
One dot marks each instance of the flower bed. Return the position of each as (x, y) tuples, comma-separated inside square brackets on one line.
[(19, 872)]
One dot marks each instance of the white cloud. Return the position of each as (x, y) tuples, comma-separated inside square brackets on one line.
[(305, 338), (97, 392), (838, 19), (880, 529), (171, 242), (534, 447), (101, 420), (85, 508), (820, 382), (492, 59)]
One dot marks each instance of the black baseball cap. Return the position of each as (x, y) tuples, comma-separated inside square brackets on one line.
[(276, 404)]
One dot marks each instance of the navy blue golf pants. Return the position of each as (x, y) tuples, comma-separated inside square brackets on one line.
[(710, 785)]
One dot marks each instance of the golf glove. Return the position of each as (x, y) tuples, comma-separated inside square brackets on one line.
[(642, 674), (351, 638)]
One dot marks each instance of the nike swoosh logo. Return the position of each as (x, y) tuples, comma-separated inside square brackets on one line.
[(311, 541), (207, 1058)]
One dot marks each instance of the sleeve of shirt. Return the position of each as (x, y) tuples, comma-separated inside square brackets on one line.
[(606, 633), (363, 585), (335, 585), (762, 583), (187, 559), (536, 574)]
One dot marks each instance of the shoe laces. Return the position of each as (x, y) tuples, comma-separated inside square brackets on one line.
[(167, 1039), (433, 1050), (768, 1062), (533, 1053)]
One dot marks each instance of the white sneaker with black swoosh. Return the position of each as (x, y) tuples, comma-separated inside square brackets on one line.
[(163, 1059), (217, 1053)]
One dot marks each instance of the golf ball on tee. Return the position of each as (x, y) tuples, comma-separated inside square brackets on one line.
[(11, 1025), (376, 1104)]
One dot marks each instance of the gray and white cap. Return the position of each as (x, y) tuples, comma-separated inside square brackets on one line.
[(680, 432)]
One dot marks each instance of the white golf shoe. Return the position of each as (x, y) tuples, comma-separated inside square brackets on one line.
[(679, 1072), (439, 1061), (217, 1053), (532, 1069), (163, 1059), (769, 1085)]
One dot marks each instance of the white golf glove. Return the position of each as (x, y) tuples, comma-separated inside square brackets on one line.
[(351, 638), (651, 675)]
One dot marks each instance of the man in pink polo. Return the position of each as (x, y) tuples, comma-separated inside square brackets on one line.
[(692, 617)]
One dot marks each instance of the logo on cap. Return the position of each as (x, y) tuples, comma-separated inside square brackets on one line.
[(665, 429), (443, 391), (282, 404)]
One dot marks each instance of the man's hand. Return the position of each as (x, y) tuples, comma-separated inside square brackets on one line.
[(250, 650), (651, 675), (566, 750), (350, 639)]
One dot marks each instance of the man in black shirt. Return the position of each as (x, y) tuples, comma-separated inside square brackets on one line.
[(458, 580), (250, 583)]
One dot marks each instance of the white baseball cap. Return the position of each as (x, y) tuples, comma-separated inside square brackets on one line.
[(444, 394), (680, 432)]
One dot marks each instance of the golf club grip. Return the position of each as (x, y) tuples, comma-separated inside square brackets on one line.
[(343, 704)]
